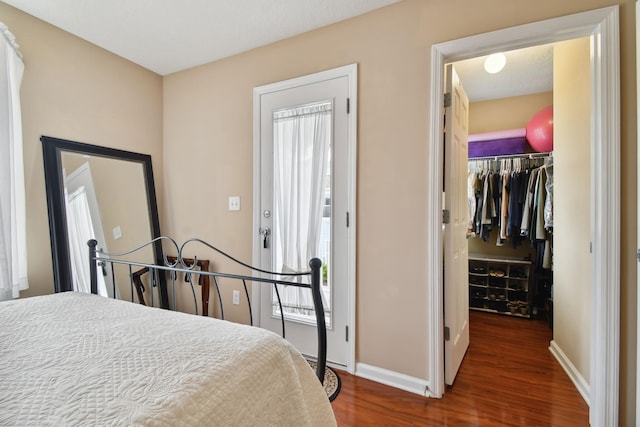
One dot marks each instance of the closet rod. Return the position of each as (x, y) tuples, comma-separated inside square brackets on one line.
[(514, 156)]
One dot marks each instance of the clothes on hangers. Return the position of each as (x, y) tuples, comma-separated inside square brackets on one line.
[(515, 197), (472, 179), (548, 204), (504, 211), (528, 203)]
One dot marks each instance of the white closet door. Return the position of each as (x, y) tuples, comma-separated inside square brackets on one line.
[(456, 286)]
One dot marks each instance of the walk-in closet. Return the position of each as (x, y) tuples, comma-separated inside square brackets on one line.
[(511, 207), (528, 229)]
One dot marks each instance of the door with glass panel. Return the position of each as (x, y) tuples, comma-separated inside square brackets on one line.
[(303, 208)]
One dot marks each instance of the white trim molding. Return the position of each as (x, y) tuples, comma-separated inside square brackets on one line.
[(574, 375), (435, 245), (605, 227), (602, 25), (638, 216), (394, 379)]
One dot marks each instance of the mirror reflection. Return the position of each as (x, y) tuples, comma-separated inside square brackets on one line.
[(105, 200), (105, 194)]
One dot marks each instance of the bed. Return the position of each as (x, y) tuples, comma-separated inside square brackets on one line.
[(82, 359)]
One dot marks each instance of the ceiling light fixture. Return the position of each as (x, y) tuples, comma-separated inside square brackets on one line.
[(495, 63)]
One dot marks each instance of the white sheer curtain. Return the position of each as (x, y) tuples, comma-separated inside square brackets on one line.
[(301, 145), (13, 240), (80, 232)]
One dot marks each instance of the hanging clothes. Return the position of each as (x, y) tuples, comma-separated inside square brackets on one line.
[(514, 196), (472, 177), (504, 211), (528, 203), (548, 204)]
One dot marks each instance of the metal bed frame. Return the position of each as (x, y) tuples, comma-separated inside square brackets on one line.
[(188, 266)]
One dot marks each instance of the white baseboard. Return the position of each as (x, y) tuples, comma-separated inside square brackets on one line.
[(394, 379), (570, 369)]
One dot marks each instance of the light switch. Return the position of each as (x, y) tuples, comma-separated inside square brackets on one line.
[(117, 232), (234, 203)]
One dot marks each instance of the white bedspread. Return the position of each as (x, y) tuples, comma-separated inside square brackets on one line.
[(79, 359)]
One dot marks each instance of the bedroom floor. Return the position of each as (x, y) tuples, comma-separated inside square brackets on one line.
[(508, 378)]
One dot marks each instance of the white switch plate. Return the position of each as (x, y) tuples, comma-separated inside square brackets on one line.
[(117, 232), (234, 203), (236, 297)]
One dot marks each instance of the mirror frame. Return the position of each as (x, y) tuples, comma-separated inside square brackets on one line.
[(54, 186)]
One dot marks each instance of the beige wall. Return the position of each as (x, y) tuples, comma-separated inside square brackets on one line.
[(208, 111), (571, 186), (73, 90), (504, 114)]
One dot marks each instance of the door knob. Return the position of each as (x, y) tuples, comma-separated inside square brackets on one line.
[(265, 232)]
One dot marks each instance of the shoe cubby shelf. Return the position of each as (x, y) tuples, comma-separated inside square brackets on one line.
[(500, 285)]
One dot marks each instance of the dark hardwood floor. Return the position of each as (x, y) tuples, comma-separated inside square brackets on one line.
[(508, 378)]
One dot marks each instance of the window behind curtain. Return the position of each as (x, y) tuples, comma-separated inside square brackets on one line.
[(301, 217)]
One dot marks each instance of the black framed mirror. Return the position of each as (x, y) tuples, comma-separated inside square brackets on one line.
[(99, 191)]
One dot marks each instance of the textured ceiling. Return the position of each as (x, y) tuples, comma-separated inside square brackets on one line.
[(527, 71), (166, 36)]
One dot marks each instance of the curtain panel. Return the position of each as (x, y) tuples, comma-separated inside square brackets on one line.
[(301, 141), (80, 232), (13, 241)]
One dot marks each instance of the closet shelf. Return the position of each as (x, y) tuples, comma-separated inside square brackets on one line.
[(529, 156), (503, 287)]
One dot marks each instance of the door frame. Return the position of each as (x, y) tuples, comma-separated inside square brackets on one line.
[(603, 27), (637, 12), (351, 72)]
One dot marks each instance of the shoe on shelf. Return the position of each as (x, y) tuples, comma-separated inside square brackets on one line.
[(518, 273), (524, 308), (478, 269), (513, 308), (476, 280)]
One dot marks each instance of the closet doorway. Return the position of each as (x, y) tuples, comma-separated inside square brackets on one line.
[(602, 28), (512, 187)]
